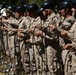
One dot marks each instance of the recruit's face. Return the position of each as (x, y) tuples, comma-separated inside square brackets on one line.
[(17, 14), (63, 12), (27, 13), (7, 13), (73, 10), (44, 13)]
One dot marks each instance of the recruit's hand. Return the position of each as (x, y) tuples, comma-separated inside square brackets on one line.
[(52, 27), (38, 33), (19, 30), (29, 31), (38, 26), (5, 29), (19, 34), (67, 46), (14, 30), (64, 34), (4, 20)]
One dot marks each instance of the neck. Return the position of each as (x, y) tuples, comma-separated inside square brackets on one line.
[(50, 13), (68, 16)]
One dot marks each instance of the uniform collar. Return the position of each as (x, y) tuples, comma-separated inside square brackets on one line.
[(37, 19), (51, 16)]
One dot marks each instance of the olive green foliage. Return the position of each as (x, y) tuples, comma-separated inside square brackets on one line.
[(19, 2), (13, 2), (38, 2)]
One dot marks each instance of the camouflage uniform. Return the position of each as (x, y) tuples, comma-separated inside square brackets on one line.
[(23, 26), (67, 23), (13, 24), (72, 37), (36, 45), (31, 48), (51, 44), (9, 36), (5, 36)]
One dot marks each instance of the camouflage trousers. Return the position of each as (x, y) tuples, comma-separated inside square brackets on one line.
[(70, 63), (11, 46)]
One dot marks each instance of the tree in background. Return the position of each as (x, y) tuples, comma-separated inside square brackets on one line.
[(38, 2), (18, 2)]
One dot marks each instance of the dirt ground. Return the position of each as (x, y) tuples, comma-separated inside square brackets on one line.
[(2, 73)]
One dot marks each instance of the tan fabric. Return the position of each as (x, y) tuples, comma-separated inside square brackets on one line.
[(65, 53), (35, 46), (23, 25), (11, 25), (51, 48)]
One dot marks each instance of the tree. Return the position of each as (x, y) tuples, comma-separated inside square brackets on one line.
[(38, 2), (18, 2), (13, 2)]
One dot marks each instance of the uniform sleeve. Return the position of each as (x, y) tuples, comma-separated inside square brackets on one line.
[(73, 45), (23, 26), (70, 35), (72, 32), (56, 21), (46, 24), (13, 22)]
